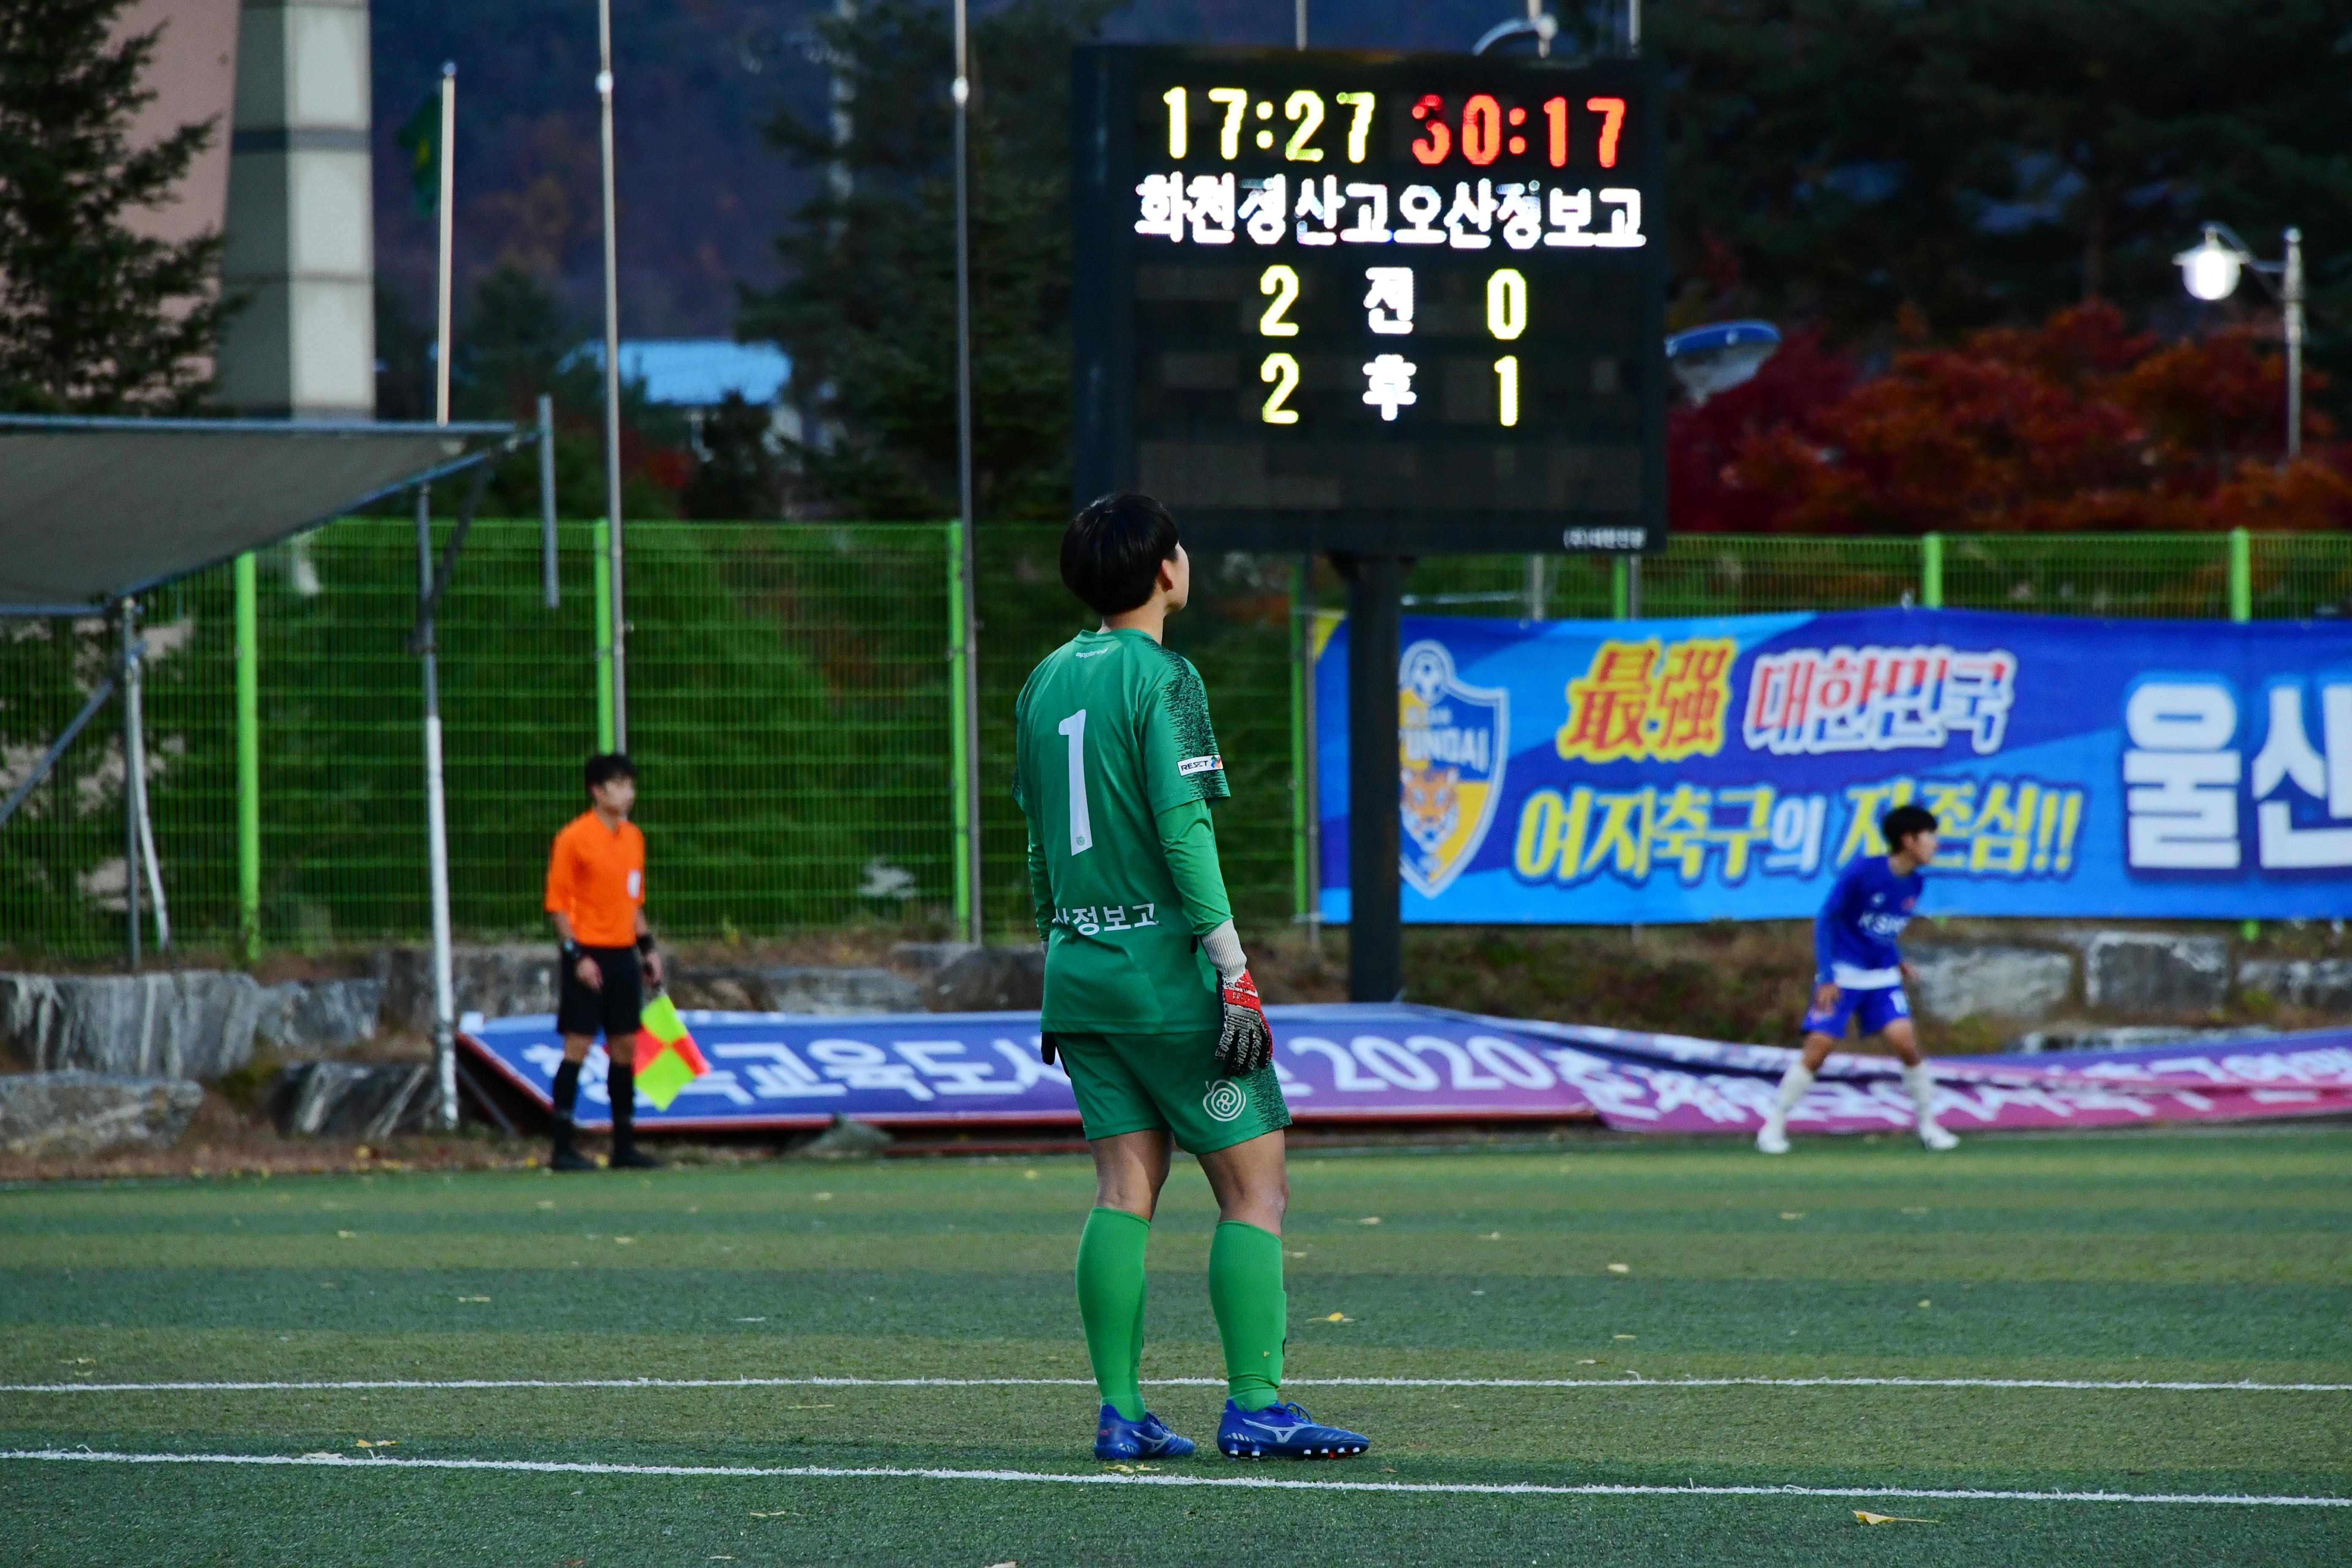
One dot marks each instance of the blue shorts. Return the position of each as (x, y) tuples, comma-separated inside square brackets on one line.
[(1876, 1008)]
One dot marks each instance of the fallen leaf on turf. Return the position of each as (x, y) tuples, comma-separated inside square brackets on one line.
[(1370, 1219), (1588, 1361), (1923, 1304), (1792, 1214), (624, 1240), (1004, 1565), (811, 1407), (347, 1235), (473, 1298), (380, 1443), (825, 1198), (750, 1319), (1620, 1269), (780, 1513), (546, 1203), (323, 1454), (1492, 1235), (1294, 1255), (1338, 1318), (1621, 1336), (1029, 1175), (1867, 1518)]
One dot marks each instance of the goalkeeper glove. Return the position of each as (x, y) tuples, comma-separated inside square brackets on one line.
[(1049, 1048), (1245, 1044)]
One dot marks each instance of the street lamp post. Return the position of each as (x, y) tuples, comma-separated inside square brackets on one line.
[(2211, 269)]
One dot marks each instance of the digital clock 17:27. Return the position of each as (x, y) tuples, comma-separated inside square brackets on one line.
[(1393, 303)]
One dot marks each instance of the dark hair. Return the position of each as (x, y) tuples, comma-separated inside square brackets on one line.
[(606, 766), (1111, 551), (1903, 822)]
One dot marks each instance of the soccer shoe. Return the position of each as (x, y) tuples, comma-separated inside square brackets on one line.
[(567, 1155), (629, 1157), (1118, 1438), (1283, 1432), (1772, 1139), (1934, 1137)]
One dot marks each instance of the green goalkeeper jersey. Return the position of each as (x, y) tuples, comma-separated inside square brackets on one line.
[(1115, 765)]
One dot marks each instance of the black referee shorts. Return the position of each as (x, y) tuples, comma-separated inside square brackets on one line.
[(611, 1012)]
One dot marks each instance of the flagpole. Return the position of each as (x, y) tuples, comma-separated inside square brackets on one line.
[(977, 931), (436, 813), (448, 161), (612, 383)]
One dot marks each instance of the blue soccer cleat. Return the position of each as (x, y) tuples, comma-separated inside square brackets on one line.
[(1284, 1432), (1118, 1438)]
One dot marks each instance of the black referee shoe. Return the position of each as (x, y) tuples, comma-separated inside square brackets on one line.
[(629, 1157), (567, 1155)]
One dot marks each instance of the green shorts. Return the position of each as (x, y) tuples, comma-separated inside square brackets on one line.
[(1169, 1083)]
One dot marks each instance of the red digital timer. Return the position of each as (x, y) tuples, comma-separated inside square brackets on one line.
[(1483, 120)]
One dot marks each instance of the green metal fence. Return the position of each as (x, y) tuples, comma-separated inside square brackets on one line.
[(791, 707)]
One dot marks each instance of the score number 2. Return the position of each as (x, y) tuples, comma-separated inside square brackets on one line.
[(1279, 371)]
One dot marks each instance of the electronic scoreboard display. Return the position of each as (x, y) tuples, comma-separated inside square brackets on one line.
[(1371, 302)]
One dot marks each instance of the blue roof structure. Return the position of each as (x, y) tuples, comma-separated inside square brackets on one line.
[(698, 372)]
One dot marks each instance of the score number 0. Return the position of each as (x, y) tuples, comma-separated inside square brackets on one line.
[(1506, 318)]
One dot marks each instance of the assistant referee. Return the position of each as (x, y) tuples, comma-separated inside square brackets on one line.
[(596, 897)]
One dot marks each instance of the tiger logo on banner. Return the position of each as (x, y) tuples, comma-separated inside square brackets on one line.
[(1452, 743)]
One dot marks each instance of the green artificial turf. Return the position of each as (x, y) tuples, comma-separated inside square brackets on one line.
[(2209, 1257)]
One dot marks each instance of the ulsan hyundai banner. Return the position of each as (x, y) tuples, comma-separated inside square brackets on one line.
[(1660, 771)]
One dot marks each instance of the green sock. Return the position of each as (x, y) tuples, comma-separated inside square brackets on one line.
[(1253, 1313), (1110, 1304)]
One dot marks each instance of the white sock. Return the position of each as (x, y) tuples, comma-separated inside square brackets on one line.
[(1793, 1085), (1922, 1084)]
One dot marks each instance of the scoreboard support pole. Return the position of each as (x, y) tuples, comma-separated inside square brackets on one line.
[(1375, 931)]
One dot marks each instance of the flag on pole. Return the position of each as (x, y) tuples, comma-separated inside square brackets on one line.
[(667, 1057), (420, 137)]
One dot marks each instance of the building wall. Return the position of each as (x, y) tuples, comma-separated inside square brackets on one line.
[(193, 74)]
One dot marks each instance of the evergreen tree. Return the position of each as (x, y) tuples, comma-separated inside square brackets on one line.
[(515, 340), (1847, 162), (93, 318), (868, 317), (736, 477)]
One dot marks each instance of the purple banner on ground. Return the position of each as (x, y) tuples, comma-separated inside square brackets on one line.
[(1349, 1063), (1338, 1063), (1670, 1083)]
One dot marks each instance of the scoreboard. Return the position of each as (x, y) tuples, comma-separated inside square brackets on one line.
[(1374, 303)]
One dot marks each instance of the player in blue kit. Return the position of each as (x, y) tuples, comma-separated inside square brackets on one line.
[(1858, 971)]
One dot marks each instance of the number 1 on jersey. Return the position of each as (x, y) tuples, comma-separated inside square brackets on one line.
[(1082, 830)]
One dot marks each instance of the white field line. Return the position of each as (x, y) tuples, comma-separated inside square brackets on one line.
[(1631, 1381), (1114, 1479)]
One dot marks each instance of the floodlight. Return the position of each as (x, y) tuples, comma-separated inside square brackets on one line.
[(1716, 358), (2209, 271)]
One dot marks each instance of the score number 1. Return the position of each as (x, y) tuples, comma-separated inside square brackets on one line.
[(1506, 318)]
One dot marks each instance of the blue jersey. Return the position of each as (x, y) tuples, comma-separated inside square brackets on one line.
[(1853, 936)]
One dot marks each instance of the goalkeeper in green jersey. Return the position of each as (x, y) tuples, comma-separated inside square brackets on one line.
[(1148, 1003)]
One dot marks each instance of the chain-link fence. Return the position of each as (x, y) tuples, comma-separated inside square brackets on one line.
[(788, 701)]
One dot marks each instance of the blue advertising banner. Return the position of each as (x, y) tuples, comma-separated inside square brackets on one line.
[(1665, 771)]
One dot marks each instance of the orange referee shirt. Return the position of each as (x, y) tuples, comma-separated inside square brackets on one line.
[(597, 877)]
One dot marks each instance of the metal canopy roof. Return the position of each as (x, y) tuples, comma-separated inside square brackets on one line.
[(91, 509)]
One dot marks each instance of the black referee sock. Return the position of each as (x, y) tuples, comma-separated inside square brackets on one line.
[(567, 1090), (623, 1083)]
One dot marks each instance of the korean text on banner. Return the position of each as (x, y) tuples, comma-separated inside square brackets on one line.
[(1667, 771)]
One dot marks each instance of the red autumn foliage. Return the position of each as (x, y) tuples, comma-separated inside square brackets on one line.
[(2079, 424)]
